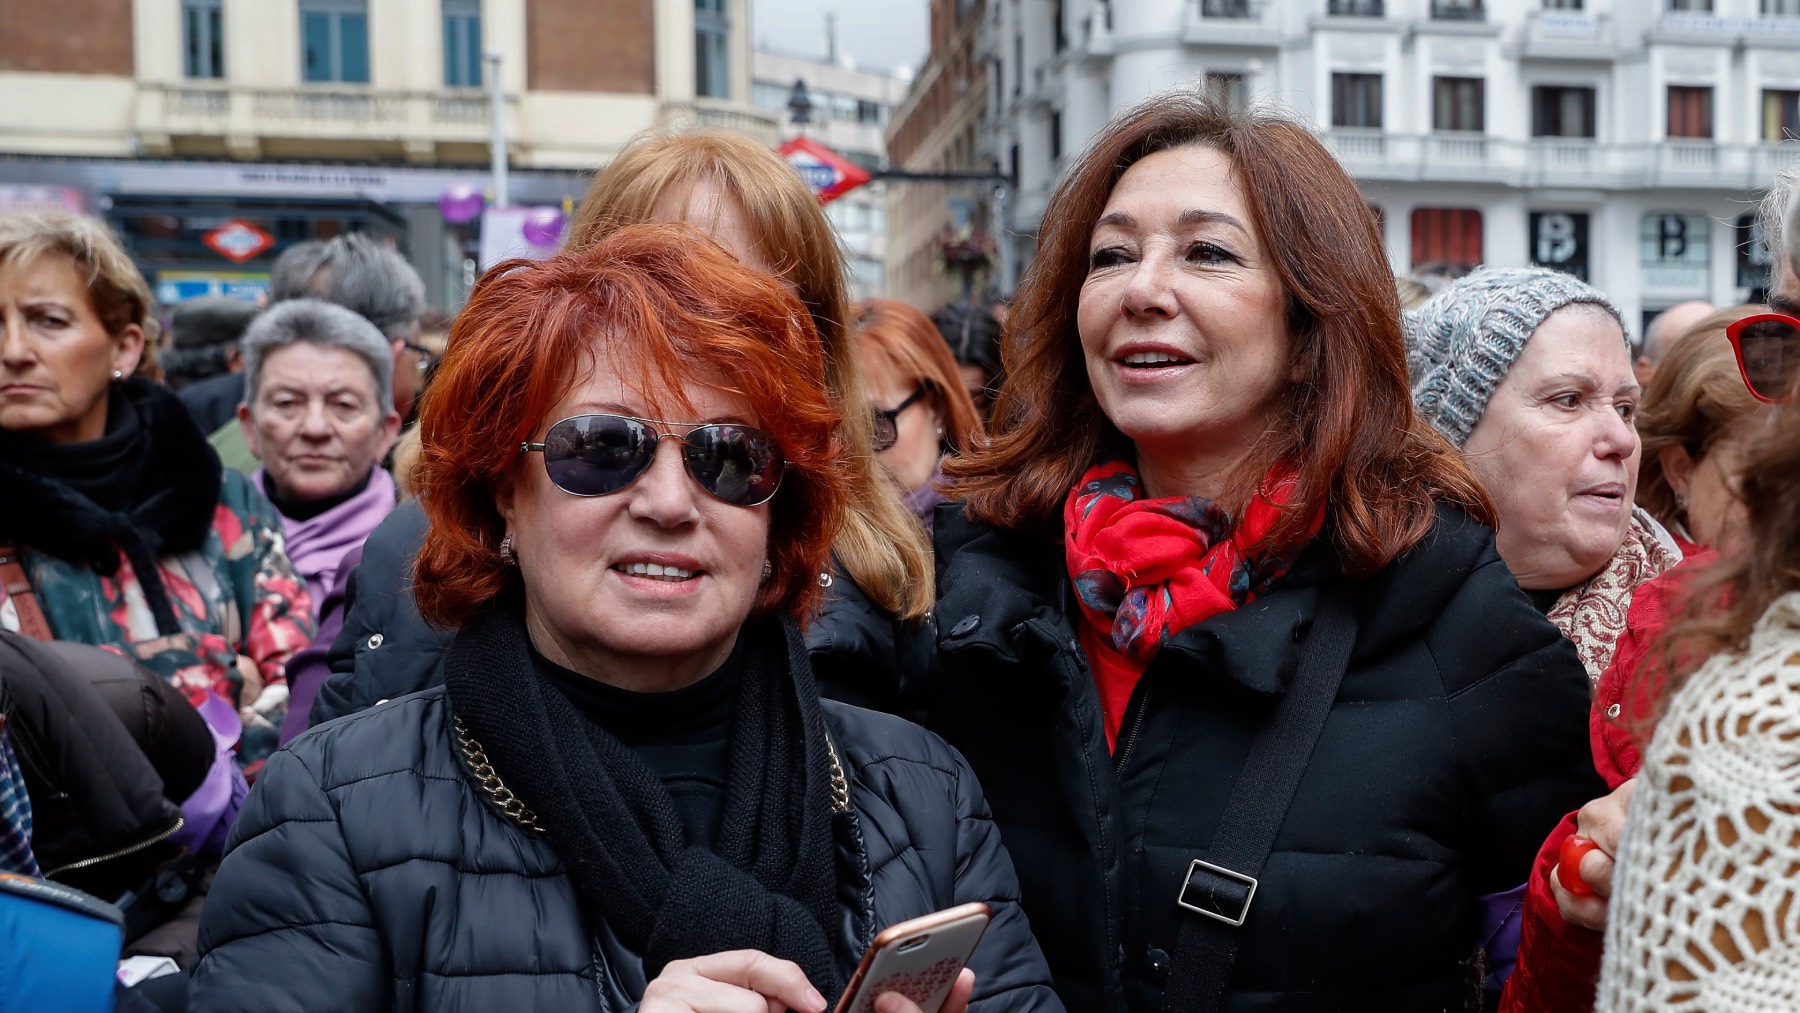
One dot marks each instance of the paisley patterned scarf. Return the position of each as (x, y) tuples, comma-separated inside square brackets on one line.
[(1146, 569)]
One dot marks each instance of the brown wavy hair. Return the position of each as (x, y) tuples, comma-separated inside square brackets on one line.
[(905, 341), (695, 315), (1696, 397), (881, 548), (1349, 419)]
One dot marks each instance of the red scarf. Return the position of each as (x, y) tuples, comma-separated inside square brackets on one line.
[(1146, 569)]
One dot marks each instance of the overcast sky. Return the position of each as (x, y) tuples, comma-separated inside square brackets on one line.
[(877, 34)]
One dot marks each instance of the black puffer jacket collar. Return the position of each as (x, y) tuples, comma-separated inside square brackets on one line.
[(1016, 603)]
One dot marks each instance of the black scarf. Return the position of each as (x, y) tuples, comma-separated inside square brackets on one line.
[(147, 488), (770, 881)]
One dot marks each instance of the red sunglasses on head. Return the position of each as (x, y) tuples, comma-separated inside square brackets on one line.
[(1768, 354)]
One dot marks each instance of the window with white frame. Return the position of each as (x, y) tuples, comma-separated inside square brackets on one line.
[(203, 38), (1558, 111), (1230, 90), (1781, 115), (1458, 103), (1690, 111), (334, 40), (1356, 100), (462, 43), (712, 49)]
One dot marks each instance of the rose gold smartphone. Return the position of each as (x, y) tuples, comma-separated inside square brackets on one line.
[(918, 958)]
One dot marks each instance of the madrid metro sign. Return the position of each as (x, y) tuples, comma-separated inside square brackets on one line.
[(830, 174)]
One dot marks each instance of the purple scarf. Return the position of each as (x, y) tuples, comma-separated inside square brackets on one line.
[(317, 545)]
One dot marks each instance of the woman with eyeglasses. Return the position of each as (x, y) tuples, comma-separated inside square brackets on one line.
[(628, 792), (922, 411), (870, 642)]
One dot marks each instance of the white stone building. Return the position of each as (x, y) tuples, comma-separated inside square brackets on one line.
[(1621, 139), (851, 107)]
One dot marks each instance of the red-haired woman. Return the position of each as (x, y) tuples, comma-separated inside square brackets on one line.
[(628, 790), (870, 641), (1262, 715), (922, 410)]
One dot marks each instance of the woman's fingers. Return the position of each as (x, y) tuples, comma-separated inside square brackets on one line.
[(1585, 910), (735, 981), (956, 1002), (1603, 820)]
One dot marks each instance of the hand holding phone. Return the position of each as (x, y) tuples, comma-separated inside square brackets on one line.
[(921, 959)]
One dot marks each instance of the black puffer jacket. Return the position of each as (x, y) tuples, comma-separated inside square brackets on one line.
[(1457, 740), (860, 654), (368, 872)]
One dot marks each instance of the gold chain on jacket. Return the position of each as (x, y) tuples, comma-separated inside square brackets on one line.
[(489, 779), (516, 810)]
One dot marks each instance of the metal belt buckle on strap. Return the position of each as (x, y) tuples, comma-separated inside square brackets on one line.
[(1217, 892)]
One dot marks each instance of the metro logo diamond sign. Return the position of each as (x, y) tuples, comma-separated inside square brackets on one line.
[(829, 174), (238, 240)]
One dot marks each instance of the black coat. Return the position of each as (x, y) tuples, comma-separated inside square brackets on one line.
[(108, 750), (369, 872), (1457, 741), (860, 654)]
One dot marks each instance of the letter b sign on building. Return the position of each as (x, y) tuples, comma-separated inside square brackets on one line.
[(1559, 240)]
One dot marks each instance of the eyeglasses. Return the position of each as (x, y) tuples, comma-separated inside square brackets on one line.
[(1768, 354), (595, 455), (887, 421)]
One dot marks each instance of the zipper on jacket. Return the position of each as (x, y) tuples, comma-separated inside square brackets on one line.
[(1129, 739), (180, 821)]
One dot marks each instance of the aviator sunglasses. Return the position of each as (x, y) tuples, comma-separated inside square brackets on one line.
[(594, 455), (1768, 354)]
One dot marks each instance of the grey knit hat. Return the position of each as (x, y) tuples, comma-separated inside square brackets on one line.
[(1461, 342)]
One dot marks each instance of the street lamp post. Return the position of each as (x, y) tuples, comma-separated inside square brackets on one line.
[(800, 105), (497, 146)]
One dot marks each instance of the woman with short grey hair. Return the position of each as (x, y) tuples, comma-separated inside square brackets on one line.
[(319, 413)]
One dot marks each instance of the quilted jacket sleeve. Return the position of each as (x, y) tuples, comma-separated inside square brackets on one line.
[(1518, 705), (1010, 972), (287, 925)]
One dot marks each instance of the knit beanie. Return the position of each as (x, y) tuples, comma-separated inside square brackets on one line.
[(1461, 342)]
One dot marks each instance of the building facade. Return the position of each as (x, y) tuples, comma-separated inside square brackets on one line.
[(938, 130), (305, 118), (851, 109), (1622, 140)]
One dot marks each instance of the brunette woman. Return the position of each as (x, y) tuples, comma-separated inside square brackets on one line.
[(627, 794), (870, 644), (1209, 533)]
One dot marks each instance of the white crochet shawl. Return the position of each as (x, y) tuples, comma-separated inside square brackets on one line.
[(1712, 842)]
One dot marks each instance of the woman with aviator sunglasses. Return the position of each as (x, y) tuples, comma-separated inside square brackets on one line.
[(628, 792), (907, 366)]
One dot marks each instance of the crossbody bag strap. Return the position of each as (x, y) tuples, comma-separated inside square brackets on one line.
[(1217, 892), (18, 588)]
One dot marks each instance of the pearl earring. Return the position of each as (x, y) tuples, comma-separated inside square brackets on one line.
[(118, 374)]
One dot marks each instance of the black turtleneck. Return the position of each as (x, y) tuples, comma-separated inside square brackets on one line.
[(307, 509), (684, 735)]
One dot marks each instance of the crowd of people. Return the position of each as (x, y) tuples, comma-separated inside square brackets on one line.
[(1246, 628)]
